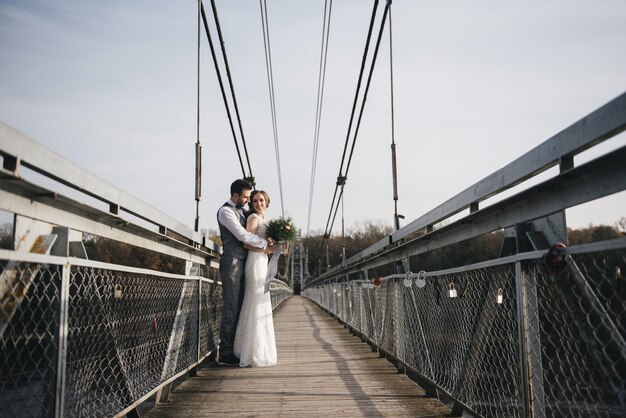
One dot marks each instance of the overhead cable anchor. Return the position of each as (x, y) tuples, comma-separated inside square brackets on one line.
[(250, 180)]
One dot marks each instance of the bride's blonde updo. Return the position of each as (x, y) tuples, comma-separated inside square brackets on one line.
[(265, 195)]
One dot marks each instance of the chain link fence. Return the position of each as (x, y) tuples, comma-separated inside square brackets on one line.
[(30, 320), (505, 340), (279, 291), (78, 340)]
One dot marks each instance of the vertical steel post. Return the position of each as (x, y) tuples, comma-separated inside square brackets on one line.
[(398, 319), (62, 340), (194, 372), (399, 310), (529, 344)]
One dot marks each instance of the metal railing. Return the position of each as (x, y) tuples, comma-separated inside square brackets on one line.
[(95, 339), (80, 337), (90, 339), (476, 346), (538, 331)]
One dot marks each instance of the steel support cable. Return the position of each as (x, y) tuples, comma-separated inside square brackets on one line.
[(326, 240), (343, 230), (198, 154), (342, 178), (367, 86), (221, 83), (358, 85), (270, 83), (394, 167), (232, 88), (320, 96)]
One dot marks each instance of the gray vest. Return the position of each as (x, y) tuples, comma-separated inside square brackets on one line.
[(231, 245)]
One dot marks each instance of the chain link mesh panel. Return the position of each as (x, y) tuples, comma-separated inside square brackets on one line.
[(119, 348), (461, 332), (279, 291), (582, 331), (29, 323), (210, 317), (126, 334)]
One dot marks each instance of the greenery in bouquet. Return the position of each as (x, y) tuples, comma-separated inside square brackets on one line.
[(281, 230)]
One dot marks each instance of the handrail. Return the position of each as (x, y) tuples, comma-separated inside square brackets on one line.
[(112, 335), (25, 151), (499, 337), (592, 180), (605, 122)]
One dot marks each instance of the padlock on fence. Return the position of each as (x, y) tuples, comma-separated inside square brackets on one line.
[(117, 291), (420, 281), (555, 260), (452, 291), (500, 297), (407, 282)]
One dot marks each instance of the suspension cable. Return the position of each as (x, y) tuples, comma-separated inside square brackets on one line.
[(358, 86), (343, 230), (221, 83), (367, 86), (320, 96), (270, 83), (394, 167), (232, 88), (341, 179), (198, 155)]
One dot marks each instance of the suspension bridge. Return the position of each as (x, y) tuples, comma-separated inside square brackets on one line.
[(537, 330)]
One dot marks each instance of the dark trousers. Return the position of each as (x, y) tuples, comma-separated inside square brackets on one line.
[(231, 275)]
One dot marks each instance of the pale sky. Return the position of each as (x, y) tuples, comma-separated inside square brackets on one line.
[(112, 86)]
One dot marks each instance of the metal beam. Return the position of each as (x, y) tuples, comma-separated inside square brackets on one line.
[(605, 122), (125, 232), (15, 145), (601, 177)]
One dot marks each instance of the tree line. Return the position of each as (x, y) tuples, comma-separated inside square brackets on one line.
[(475, 250), (359, 237)]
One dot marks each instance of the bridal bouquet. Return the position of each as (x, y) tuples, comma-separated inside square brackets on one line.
[(282, 231)]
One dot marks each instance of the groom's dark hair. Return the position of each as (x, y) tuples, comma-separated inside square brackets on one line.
[(239, 186)]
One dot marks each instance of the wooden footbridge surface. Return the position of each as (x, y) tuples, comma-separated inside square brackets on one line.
[(322, 370)]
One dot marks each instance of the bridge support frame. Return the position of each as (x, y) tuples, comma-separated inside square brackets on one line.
[(530, 344), (163, 394), (59, 404)]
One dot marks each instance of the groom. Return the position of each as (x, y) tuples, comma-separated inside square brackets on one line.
[(232, 224)]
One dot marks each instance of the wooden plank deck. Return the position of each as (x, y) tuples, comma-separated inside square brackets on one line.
[(322, 370)]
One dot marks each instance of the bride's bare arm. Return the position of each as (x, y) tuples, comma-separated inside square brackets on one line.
[(251, 226)]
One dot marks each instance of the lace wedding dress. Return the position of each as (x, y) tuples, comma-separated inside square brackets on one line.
[(255, 344)]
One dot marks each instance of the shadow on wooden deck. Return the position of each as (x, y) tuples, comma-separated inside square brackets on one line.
[(322, 370)]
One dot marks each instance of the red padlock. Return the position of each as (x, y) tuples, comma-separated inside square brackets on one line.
[(554, 261)]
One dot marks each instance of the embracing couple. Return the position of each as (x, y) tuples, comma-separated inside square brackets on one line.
[(246, 327)]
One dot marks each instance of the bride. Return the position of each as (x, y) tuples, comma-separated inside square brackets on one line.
[(254, 339)]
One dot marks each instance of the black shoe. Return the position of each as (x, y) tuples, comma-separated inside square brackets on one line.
[(229, 360)]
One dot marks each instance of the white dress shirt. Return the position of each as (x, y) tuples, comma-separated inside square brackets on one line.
[(229, 217)]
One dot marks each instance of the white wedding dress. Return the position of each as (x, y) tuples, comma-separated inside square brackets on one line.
[(255, 344)]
